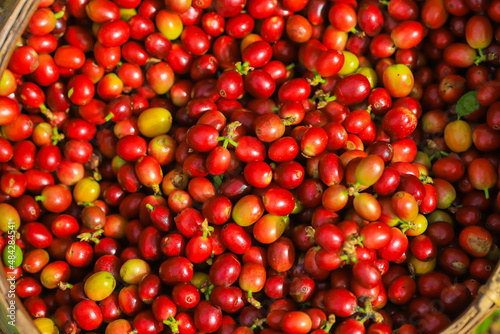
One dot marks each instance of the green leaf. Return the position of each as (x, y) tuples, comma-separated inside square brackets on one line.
[(467, 104)]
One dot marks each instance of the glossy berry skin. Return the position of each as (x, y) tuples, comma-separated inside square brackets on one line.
[(340, 302), (329, 237), (399, 122), (352, 89), (407, 34), (80, 89), (294, 90), (207, 317), (175, 270), (202, 138), (87, 315), (314, 141), (230, 85), (398, 80), (278, 201), (401, 289), (283, 149)]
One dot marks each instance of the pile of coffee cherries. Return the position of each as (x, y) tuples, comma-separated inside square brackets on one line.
[(251, 166)]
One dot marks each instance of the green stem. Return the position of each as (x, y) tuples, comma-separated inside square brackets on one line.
[(97, 176), (331, 98), (150, 207), (64, 285), (206, 229), (405, 226), (327, 325), (252, 301), (208, 291), (156, 189), (90, 236), (290, 66), (173, 324), (39, 198), (218, 181), (232, 142), (310, 232), (487, 193), (56, 136), (109, 117), (290, 120), (317, 79), (244, 68), (46, 112), (60, 14), (85, 203), (258, 323), (479, 59)]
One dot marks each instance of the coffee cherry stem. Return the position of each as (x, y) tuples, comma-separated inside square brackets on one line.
[(405, 226), (44, 110), (173, 324), (109, 117), (479, 59), (349, 249), (91, 236), (244, 68), (207, 291), (316, 80), (156, 189), (60, 14), (353, 190), (258, 323), (289, 120), (56, 136), (368, 312), (310, 232), (64, 285), (228, 138), (218, 181), (206, 229), (486, 193), (252, 301), (426, 179), (85, 203), (328, 324), (97, 176), (322, 98), (210, 260)]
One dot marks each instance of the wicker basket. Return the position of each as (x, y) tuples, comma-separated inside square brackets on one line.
[(14, 15)]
